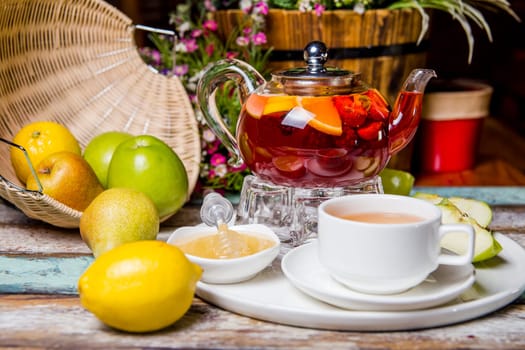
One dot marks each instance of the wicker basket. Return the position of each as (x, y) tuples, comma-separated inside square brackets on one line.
[(76, 62)]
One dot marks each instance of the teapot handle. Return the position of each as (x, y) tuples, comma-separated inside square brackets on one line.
[(247, 80)]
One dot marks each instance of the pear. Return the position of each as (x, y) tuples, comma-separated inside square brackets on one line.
[(118, 216), (68, 178), (485, 246)]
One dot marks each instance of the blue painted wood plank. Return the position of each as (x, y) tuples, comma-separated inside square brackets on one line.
[(495, 195), (47, 275), (502, 195)]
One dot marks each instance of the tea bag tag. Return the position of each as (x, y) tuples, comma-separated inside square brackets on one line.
[(298, 117)]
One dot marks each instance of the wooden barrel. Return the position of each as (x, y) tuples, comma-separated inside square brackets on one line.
[(379, 44)]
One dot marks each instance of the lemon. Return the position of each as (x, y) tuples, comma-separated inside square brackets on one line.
[(140, 286), (40, 139)]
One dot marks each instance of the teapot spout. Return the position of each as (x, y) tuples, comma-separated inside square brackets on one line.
[(417, 80), (406, 112)]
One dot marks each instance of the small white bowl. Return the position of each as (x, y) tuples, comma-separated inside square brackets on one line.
[(223, 271)]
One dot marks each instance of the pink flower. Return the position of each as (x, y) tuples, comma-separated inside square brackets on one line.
[(208, 4), (242, 41), (210, 48), (319, 9), (208, 135), (210, 25), (211, 148), (155, 55), (259, 38), (217, 159), (262, 7), (231, 54), (181, 70), (196, 33), (190, 45), (247, 31)]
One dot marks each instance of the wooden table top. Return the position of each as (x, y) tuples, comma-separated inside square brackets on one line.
[(34, 315)]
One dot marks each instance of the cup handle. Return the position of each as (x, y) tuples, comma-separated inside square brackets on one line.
[(464, 259)]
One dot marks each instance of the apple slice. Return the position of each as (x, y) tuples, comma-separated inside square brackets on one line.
[(485, 246), (363, 162), (430, 197), (373, 168), (477, 210), (450, 214)]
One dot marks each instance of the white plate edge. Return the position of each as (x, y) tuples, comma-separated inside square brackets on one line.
[(346, 320)]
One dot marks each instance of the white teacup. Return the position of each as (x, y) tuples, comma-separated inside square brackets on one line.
[(394, 252)]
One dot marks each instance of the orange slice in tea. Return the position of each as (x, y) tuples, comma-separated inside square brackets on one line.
[(255, 105), (327, 119), (276, 104)]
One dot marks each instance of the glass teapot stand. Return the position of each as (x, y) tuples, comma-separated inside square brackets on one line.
[(291, 211)]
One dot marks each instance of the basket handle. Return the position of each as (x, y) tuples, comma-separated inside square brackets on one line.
[(31, 167), (155, 30), (164, 32)]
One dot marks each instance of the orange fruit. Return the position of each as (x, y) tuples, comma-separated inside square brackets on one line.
[(258, 105), (40, 139), (327, 119), (255, 105), (291, 166), (276, 104)]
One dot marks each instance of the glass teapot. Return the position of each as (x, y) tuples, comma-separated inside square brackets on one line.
[(314, 126)]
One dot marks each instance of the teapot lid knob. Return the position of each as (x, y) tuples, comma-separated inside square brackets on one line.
[(315, 78), (315, 55)]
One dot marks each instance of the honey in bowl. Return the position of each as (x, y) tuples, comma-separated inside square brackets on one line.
[(212, 246)]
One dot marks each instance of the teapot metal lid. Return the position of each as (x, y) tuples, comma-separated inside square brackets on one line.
[(315, 78)]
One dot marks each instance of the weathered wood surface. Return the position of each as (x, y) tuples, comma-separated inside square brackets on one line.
[(38, 321), (44, 321)]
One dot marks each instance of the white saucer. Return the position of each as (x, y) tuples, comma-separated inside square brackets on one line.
[(271, 297), (302, 267)]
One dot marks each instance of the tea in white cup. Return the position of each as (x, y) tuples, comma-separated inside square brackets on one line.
[(384, 244)]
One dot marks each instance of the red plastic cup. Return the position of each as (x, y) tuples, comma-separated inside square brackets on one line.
[(450, 129)]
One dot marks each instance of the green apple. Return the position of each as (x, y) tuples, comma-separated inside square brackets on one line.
[(485, 246), (396, 181), (148, 164), (118, 216), (99, 151)]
